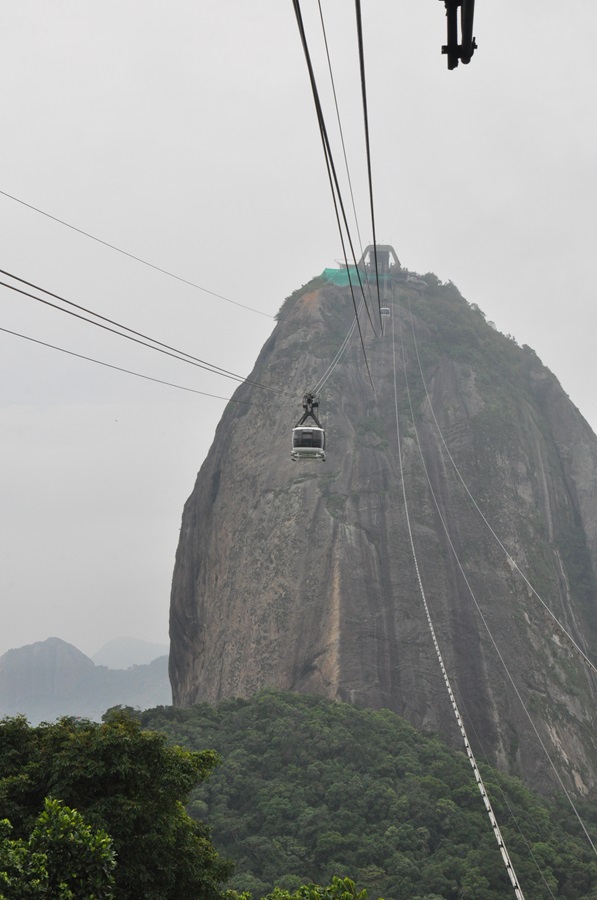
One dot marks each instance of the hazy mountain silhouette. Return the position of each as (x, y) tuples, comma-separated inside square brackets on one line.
[(52, 678), (122, 652)]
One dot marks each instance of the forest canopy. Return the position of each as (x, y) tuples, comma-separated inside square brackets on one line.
[(309, 789), (310, 799), (118, 793)]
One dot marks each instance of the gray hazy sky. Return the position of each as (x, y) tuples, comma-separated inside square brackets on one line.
[(185, 134)]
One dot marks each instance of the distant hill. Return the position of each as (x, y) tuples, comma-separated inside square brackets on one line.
[(52, 678), (123, 652)]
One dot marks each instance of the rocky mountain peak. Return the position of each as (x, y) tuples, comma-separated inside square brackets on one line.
[(300, 576)]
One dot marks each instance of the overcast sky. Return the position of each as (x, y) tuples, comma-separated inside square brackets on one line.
[(184, 133)]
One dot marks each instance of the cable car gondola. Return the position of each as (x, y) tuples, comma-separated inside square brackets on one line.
[(308, 441)]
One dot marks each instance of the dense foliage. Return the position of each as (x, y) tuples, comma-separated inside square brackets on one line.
[(63, 859), (339, 889), (309, 789), (121, 780)]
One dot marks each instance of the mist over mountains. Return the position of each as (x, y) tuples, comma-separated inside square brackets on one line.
[(52, 678), (124, 652)]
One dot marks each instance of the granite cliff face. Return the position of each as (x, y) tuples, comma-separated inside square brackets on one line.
[(300, 575)]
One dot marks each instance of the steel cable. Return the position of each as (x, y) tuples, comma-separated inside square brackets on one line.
[(469, 752), (154, 345), (132, 256)]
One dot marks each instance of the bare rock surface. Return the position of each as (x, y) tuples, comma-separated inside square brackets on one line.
[(301, 575)]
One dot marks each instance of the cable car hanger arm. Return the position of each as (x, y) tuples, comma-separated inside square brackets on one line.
[(463, 51), (310, 404)]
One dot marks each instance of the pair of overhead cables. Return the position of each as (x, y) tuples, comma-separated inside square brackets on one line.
[(327, 374), (366, 128), (461, 569), (132, 255), (100, 362), (368, 145), (339, 207), (338, 202), (123, 331), (178, 354), (341, 132), (554, 620)]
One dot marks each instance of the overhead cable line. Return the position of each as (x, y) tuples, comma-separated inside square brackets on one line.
[(327, 374), (329, 157), (106, 319), (136, 258), (154, 345), (514, 820), (366, 120), (333, 179), (478, 608), (340, 129), (566, 634), (100, 362), (469, 752)]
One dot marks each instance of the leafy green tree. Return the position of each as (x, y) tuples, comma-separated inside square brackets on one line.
[(339, 889), (13, 858), (63, 859), (123, 780)]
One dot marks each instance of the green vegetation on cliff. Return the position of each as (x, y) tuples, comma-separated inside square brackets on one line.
[(309, 789)]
